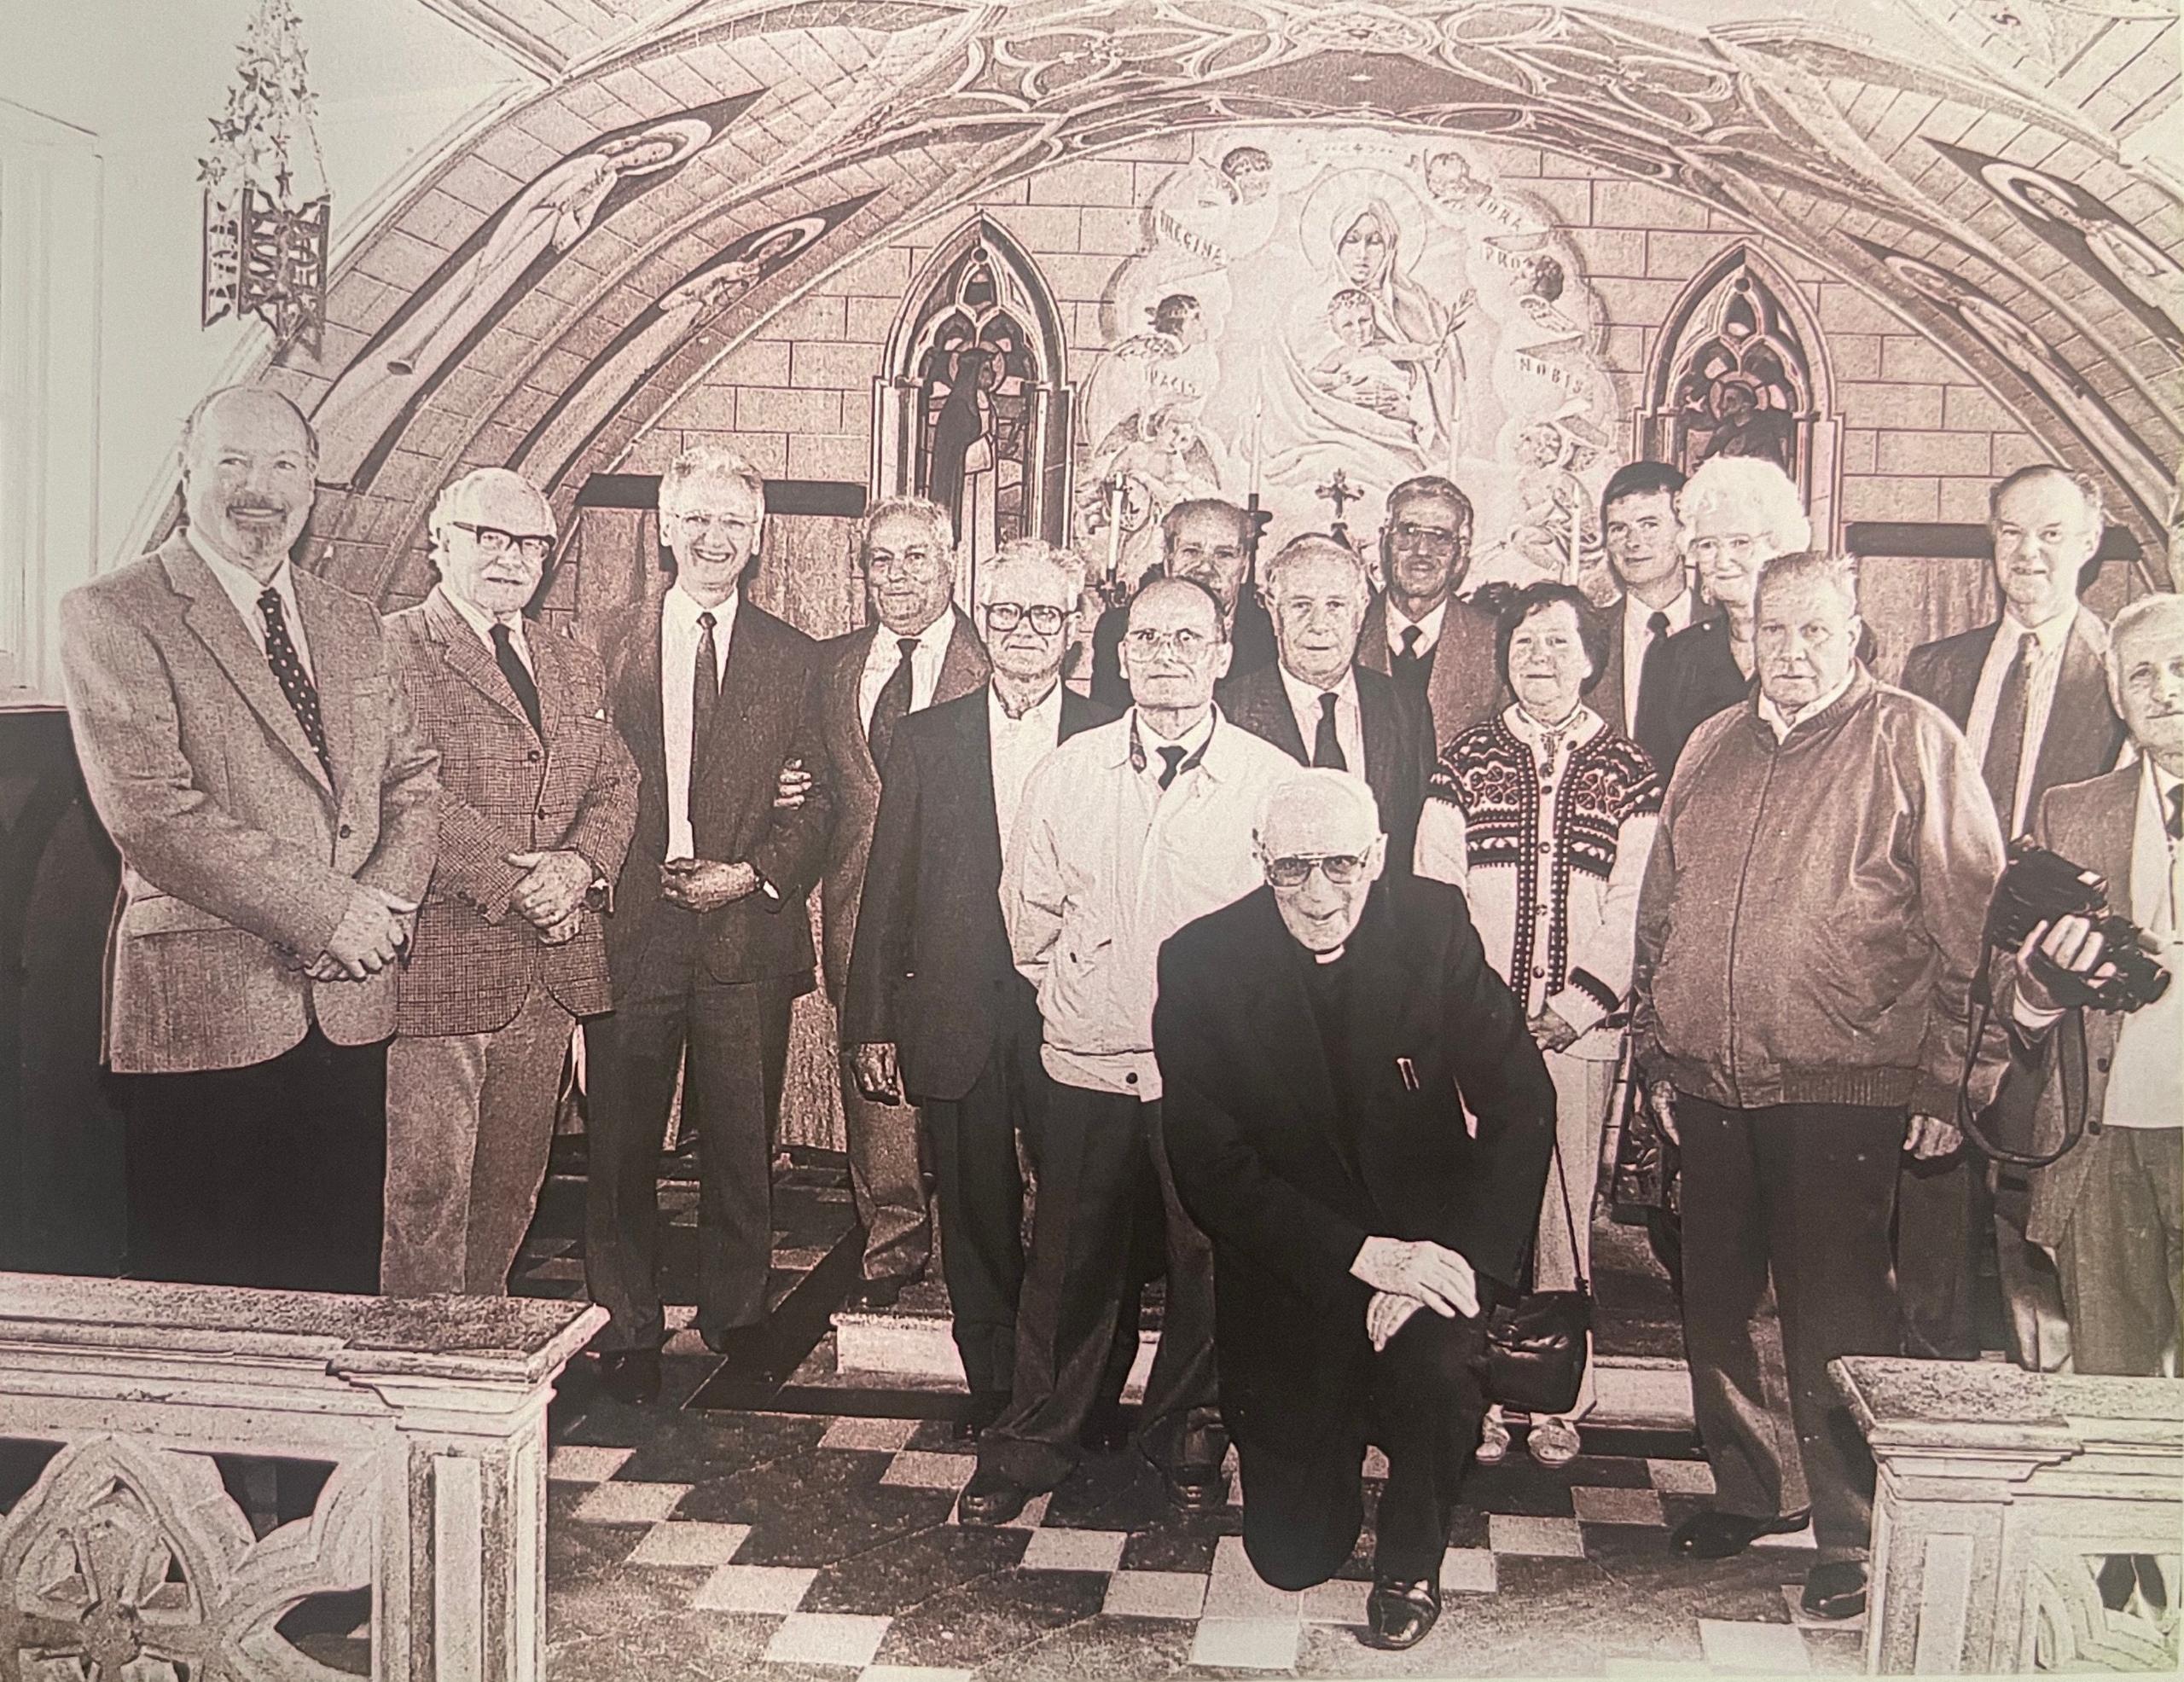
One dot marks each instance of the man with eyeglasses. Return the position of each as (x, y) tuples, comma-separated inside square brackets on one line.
[(935, 1013), (1123, 834), (1210, 541), (918, 650), (538, 798), (1319, 1042), (1318, 705), (708, 945), (1435, 646)]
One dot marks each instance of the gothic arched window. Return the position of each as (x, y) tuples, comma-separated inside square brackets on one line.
[(1739, 372), (972, 410)]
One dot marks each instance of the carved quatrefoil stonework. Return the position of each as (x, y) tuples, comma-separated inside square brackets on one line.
[(131, 1563)]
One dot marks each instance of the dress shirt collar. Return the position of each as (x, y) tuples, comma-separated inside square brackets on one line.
[(1429, 628), (1202, 744), (886, 652), (1637, 618), (1782, 724), (1046, 710), (682, 609), (2163, 785), (479, 620), (1581, 727), (242, 587), (2052, 637), (1304, 697)]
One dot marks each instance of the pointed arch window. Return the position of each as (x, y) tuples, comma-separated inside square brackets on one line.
[(1740, 371), (974, 410)]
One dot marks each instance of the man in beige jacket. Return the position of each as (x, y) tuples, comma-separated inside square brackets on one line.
[(254, 759)]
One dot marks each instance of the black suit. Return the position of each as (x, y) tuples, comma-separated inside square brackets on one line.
[(931, 973), (1694, 677), (722, 982), (1398, 733), (1251, 641), (1296, 1130), (1649, 730), (1942, 1224)]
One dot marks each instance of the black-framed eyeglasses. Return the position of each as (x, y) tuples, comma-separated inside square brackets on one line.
[(1412, 535), (494, 541), (1343, 869), (1006, 615)]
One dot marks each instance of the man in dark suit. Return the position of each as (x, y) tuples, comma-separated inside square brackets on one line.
[(251, 751), (1211, 542), (936, 1014), (1318, 705), (918, 651), (1416, 631), (2112, 1207), (709, 943), (1319, 1042), (1638, 521), (2030, 693), (538, 794)]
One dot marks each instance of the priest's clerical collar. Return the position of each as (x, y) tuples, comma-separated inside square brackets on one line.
[(1330, 957)]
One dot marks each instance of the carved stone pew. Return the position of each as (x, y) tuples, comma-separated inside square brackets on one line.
[(2002, 1495), (433, 1414)]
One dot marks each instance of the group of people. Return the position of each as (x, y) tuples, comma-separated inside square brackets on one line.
[(1300, 961)]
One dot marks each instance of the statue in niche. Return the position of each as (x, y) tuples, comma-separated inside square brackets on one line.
[(1741, 387), (976, 412)]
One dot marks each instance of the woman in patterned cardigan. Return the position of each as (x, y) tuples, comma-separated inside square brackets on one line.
[(1544, 817)]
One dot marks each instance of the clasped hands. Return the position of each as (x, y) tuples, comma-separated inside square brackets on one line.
[(1407, 1276), (372, 933), (704, 885), (1928, 1139)]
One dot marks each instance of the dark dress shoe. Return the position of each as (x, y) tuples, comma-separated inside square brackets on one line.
[(630, 1375), (990, 1499), (873, 1294), (1105, 1431), (1836, 1589), (984, 1407), (1717, 1536), (1399, 1615), (744, 1346), (1196, 1489)]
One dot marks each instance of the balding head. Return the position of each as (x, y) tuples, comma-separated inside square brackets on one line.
[(491, 532), (1321, 848), (249, 461)]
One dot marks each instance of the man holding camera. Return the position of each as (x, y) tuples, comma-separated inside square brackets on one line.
[(2109, 1206)]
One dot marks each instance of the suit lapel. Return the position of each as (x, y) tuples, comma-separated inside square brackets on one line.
[(2082, 729), (636, 699), (964, 667), (1372, 636), (212, 615), (469, 658), (743, 681), (1959, 685), (550, 669), (1606, 698), (843, 684), (337, 666), (984, 814), (1376, 724), (2110, 828)]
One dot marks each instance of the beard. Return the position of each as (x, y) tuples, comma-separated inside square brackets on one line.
[(258, 534)]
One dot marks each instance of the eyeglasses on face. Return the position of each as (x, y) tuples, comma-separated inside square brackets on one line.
[(1738, 547), (1343, 869), (1412, 535), (919, 562), (494, 541), (1006, 615), (1186, 645)]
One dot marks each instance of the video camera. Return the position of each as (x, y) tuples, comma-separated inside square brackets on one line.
[(2038, 887)]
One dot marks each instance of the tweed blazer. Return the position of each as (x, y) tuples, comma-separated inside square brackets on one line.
[(238, 853), (1463, 682), (503, 789), (768, 714), (855, 779)]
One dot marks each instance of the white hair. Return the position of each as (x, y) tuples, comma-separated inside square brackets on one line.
[(1019, 554), (707, 460), (2137, 616), (1311, 783), (1314, 546), (449, 504), (937, 520), (1838, 572), (1755, 490)]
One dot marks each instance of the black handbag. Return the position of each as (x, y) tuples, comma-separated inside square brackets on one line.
[(1535, 1343)]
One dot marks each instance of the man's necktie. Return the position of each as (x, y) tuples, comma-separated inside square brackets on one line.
[(519, 676), (1656, 632), (288, 672), (1327, 746), (1171, 762), (2006, 742), (704, 699), (892, 706), (2175, 818), (1409, 664)]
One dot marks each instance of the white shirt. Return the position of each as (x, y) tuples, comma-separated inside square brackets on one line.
[(2053, 638), (1429, 628), (1781, 723), (1349, 722), (243, 588), (679, 661), (1105, 866), (483, 623), (1637, 634), (886, 654), (1019, 744)]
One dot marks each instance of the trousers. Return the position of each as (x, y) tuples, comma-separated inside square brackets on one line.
[(2121, 1259)]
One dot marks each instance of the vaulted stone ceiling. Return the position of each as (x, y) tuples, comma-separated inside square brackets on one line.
[(1932, 161)]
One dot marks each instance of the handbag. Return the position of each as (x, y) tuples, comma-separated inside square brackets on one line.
[(1535, 1343)]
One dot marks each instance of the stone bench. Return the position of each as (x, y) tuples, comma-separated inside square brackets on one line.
[(2001, 1494), (433, 1414)]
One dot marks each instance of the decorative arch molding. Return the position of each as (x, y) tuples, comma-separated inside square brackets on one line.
[(1742, 368), (972, 406)]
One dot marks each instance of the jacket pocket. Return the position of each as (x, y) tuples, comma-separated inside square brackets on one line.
[(163, 914)]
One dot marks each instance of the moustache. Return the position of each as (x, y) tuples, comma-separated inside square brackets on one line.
[(278, 509)]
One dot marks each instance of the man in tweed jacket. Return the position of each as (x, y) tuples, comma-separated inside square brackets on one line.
[(539, 796), (251, 755)]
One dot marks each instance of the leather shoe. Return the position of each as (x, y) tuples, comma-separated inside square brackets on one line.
[(741, 1346), (1716, 1536), (1399, 1615), (984, 1407), (1196, 1489), (630, 1375), (873, 1294), (1105, 1431), (990, 1499), (1836, 1589)]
